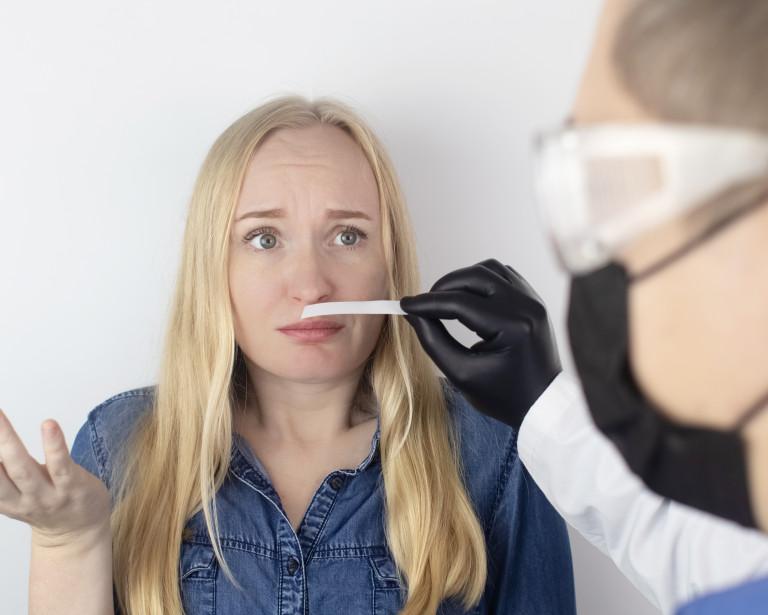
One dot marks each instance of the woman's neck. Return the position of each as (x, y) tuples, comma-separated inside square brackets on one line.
[(301, 413)]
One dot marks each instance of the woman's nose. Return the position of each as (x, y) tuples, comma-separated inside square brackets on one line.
[(309, 280)]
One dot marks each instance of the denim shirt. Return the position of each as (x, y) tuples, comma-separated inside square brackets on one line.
[(338, 561)]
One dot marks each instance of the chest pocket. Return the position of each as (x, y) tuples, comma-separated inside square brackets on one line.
[(198, 569), (388, 594)]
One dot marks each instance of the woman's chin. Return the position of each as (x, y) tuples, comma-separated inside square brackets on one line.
[(314, 372), (312, 363)]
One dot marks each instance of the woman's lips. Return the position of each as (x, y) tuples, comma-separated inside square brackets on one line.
[(312, 331)]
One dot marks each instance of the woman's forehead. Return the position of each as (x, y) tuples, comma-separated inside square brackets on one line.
[(320, 164), (314, 145)]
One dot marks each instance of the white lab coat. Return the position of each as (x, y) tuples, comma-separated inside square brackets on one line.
[(672, 553)]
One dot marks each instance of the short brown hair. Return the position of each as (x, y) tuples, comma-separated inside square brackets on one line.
[(697, 61)]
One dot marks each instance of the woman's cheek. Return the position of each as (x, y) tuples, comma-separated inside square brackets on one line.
[(376, 279), (252, 297), (368, 331)]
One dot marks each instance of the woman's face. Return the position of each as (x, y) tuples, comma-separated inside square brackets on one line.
[(307, 229)]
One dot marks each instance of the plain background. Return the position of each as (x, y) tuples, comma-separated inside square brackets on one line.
[(108, 109)]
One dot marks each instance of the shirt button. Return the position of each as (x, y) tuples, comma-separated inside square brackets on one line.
[(336, 483), (293, 565)]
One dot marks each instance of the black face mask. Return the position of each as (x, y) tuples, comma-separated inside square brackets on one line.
[(703, 468)]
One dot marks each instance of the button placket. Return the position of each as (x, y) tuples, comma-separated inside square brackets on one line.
[(293, 566), (292, 590)]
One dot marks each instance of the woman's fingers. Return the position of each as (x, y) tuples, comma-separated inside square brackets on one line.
[(22, 470), (60, 500), (8, 490), (57, 458)]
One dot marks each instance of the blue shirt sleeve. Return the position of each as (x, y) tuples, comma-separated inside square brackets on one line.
[(748, 599), (530, 569), (84, 450), (99, 443)]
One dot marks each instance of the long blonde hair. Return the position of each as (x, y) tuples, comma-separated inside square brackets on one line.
[(432, 529)]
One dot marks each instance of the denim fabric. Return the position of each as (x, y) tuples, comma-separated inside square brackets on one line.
[(338, 561)]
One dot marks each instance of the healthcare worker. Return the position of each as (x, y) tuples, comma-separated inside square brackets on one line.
[(656, 196)]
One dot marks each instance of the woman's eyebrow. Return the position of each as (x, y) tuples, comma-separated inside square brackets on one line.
[(263, 213), (333, 214), (336, 214)]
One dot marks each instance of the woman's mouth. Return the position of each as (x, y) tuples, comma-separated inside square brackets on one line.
[(312, 330)]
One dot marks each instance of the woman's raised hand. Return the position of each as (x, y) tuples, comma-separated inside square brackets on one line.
[(62, 502)]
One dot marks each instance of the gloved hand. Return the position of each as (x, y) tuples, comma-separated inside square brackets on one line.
[(517, 359)]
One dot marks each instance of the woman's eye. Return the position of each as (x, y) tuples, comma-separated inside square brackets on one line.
[(264, 241), (348, 237)]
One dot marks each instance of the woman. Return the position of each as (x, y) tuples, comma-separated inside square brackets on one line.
[(278, 470)]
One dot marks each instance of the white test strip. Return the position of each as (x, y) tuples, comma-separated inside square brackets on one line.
[(351, 307)]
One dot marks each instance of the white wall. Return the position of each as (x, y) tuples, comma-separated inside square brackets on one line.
[(108, 108)]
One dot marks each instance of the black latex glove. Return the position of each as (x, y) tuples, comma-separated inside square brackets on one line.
[(517, 359)]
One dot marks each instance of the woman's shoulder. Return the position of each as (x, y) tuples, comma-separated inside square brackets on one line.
[(107, 428), (118, 413), (487, 449)]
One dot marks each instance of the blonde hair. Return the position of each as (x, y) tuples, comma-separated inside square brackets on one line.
[(697, 61), (432, 529)]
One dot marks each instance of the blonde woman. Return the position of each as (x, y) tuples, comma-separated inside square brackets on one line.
[(275, 469)]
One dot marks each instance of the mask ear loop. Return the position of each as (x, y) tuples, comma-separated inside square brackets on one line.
[(752, 412), (761, 404), (689, 246)]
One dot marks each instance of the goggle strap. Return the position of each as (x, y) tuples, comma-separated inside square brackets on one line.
[(694, 242), (753, 411)]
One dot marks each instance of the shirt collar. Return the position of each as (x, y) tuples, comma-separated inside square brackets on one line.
[(241, 445)]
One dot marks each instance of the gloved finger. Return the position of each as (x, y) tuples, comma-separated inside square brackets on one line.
[(499, 268), (469, 309), (516, 294), (442, 348), (475, 279), (513, 277), (526, 285), (508, 273)]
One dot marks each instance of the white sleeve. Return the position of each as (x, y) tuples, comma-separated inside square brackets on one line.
[(670, 552)]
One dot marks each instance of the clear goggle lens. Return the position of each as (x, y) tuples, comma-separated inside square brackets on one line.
[(600, 187)]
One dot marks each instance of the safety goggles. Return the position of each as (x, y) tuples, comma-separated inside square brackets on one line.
[(600, 187)]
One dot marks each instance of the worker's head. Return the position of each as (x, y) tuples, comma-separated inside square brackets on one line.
[(658, 200)]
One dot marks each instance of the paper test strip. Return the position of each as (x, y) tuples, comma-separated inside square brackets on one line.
[(352, 307)]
